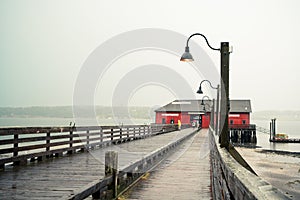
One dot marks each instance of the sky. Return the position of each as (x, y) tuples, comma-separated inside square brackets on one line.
[(45, 44)]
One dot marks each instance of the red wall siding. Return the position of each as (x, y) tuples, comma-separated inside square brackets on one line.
[(184, 117), (167, 117), (238, 118)]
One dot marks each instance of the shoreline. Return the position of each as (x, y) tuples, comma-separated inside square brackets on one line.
[(280, 168), (281, 152), (263, 150)]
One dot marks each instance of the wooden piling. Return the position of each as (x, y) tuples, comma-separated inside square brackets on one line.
[(111, 168)]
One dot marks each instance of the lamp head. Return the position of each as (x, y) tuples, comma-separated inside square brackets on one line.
[(187, 56), (200, 90)]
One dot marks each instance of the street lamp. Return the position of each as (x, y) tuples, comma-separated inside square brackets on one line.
[(224, 50), (212, 108), (200, 87), (216, 128), (202, 101)]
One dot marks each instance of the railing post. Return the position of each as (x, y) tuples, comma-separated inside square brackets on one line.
[(16, 144), (48, 141), (71, 138), (121, 133), (270, 131), (16, 150), (87, 138), (87, 141), (101, 136), (111, 135), (71, 141)]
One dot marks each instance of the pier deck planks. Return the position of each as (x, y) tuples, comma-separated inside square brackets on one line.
[(57, 177), (184, 175)]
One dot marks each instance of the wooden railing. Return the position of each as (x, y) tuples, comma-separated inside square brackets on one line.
[(20, 145), (114, 184), (231, 179)]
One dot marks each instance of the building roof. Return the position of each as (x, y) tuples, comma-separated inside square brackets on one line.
[(236, 106)]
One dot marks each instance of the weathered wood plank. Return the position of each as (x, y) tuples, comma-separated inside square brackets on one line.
[(185, 175), (72, 171)]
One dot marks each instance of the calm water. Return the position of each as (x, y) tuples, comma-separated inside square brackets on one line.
[(292, 128)]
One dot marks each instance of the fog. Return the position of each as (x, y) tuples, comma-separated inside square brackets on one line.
[(46, 44)]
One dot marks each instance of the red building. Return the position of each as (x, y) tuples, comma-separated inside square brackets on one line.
[(191, 111)]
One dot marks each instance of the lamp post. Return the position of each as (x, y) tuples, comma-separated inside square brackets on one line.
[(224, 50), (212, 109), (216, 128), (204, 109)]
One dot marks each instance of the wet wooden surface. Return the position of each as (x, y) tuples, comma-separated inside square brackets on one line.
[(184, 175), (57, 177)]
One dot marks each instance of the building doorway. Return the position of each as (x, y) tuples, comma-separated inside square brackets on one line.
[(200, 121), (196, 120)]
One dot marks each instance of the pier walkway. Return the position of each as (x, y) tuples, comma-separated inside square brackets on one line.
[(59, 177), (184, 175)]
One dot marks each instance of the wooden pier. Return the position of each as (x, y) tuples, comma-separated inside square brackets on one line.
[(66, 176), (184, 175), (69, 163), (290, 140), (242, 134)]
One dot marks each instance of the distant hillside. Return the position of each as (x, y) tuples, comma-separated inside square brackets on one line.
[(37, 111), (67, 112), (280, 115)]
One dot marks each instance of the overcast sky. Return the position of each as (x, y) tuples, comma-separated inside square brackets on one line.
[(44, 45)]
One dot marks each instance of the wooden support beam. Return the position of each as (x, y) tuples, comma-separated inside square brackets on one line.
[(111, 169)]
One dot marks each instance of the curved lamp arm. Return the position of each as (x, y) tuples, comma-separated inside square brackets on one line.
[(187, 56), (187, 42), (209, 84), (202, 102), (200, 88)]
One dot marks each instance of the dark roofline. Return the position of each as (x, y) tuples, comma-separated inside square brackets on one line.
[(194, 105)]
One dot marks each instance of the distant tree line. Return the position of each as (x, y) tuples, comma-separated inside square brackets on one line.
[(67, 111)]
